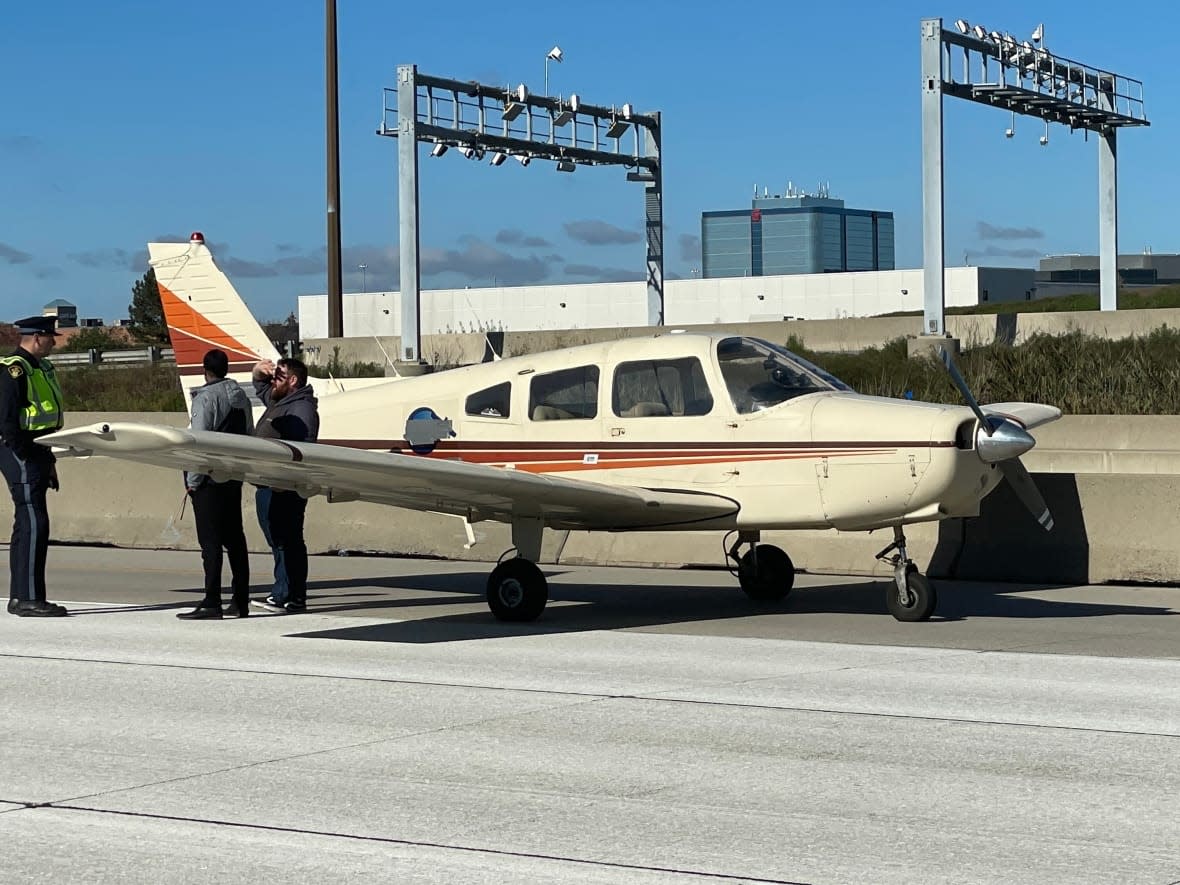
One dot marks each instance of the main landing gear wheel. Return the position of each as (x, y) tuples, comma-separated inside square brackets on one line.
[(517, 590), (917, 603), (766, 573)]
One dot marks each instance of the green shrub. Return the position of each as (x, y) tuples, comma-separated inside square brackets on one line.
[(151, 387), (1081, 374)]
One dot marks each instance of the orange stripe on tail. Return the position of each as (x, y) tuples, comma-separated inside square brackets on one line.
[(193, 334)]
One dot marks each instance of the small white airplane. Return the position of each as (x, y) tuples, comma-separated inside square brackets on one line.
[(689, 432)]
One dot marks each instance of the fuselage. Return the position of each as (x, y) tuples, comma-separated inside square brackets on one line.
[(718, 414)]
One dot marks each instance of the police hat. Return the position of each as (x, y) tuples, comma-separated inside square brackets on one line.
[(37, 326)]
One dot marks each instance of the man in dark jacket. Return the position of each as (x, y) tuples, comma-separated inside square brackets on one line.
[(291, 414), (220, 405), (30, 406)]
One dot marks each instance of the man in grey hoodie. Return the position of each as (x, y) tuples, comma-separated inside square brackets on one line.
[(220, 405), (292, 413)]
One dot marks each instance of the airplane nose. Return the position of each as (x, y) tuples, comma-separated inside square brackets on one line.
[(1007, 440)]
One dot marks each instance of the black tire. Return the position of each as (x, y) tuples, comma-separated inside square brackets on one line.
[(923, 598), (766, 573), (517, 591)]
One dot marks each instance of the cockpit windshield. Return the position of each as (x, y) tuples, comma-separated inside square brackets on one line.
[(760, 374)]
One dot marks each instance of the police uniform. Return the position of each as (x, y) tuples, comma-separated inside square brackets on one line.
[(30, 406)]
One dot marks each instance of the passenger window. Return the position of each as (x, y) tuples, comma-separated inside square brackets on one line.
[(491, 403), (570, 393), (659, 388)]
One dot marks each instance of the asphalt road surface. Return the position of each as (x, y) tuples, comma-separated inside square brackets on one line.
[(652, 726)]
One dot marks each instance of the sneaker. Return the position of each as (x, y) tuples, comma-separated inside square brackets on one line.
[(296, 608), (35, 608), (270, 604)]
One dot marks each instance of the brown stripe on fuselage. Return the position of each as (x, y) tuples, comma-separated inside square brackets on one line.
[(598, 445), (568, 458)]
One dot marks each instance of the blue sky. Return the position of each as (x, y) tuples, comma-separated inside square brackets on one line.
[(128, 122)]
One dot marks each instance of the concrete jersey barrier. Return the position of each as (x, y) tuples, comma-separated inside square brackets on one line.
[(1112, 482)]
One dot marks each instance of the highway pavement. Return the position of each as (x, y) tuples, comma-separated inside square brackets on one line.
[(653, 726)]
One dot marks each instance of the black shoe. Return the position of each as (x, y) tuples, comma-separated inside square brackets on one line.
[(271, 605), (296, 608), (201, 613), (237, 610), (35, 608)]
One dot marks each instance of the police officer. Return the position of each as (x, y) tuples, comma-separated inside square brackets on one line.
[(30, 406)]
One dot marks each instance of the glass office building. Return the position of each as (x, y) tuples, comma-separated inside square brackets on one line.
[(795, 235)]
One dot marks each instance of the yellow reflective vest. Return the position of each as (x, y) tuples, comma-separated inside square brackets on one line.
[(44, 411)]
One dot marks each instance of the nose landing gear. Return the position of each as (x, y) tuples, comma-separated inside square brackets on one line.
[(911, 596)]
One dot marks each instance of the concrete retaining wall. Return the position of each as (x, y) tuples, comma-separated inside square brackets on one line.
[(1113, 484), (817, 335)]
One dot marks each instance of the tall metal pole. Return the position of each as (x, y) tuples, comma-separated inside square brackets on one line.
[(1108, 211), (653, 198), (407, 204), (933, 242), (335, 280)]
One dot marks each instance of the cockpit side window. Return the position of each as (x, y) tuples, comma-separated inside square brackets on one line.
[(492, 402), (570, 393), (660, 388), (759, 375)]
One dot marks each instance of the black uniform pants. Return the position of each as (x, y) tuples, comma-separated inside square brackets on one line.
[(287, 510), (28, 481), (217, 507)]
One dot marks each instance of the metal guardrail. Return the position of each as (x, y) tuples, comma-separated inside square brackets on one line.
[(94, 357)]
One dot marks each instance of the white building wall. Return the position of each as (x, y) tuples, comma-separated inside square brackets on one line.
[(687, 302)]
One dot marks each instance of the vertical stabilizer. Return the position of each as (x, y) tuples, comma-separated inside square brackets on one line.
[(203, 311)]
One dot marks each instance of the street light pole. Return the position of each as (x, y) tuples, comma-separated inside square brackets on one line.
[(335, 283)]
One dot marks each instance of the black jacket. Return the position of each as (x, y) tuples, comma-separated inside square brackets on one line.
[(295, 417), (14, 399)]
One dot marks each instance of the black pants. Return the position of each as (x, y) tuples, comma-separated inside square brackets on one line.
[(28, 482), (217, 507), (287, 510)]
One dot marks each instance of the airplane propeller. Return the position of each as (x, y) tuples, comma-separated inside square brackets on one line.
[(1002, 441)]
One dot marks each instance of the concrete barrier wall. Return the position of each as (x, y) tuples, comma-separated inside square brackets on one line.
[(1112, 482), (817, 335)]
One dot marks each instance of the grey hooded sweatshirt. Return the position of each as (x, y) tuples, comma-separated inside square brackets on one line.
[(219, 405)]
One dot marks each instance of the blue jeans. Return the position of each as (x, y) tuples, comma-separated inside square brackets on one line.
[(262, 499)]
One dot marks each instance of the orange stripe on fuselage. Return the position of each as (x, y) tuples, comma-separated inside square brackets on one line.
[(625, 464), (558, 461), (193, 334)]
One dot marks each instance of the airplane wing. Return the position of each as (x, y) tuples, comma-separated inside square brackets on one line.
[(475, 491), (1028, 414)]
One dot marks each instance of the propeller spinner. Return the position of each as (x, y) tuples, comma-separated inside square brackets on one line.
[(1001, 441)]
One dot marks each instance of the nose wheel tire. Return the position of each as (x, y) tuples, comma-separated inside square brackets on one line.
[(517, 591), (917, 603), (766, 573)]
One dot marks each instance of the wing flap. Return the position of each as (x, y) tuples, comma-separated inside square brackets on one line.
[(476, 491)]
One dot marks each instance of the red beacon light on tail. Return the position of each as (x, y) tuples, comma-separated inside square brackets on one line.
[(197, 239)]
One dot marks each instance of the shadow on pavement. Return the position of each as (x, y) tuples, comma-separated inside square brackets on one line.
[(584, 607)]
